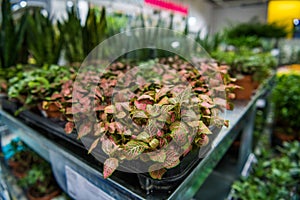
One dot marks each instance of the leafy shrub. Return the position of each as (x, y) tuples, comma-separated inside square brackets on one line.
[(286, 99)]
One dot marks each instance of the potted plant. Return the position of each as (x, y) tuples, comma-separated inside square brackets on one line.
[(39, 182), (248, 67), (286, 107), (157, 106)]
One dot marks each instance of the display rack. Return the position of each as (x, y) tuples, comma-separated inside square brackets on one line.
[(75, 169)]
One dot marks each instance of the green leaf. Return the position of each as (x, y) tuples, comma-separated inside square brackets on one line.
[(143, 136), (110, 165), (204, 129), (134, 148)]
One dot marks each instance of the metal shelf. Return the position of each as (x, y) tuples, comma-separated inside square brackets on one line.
[(67, 163)]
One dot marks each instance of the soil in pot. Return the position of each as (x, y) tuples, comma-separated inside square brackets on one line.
[(34, 194), (279, 136), (247, 85)]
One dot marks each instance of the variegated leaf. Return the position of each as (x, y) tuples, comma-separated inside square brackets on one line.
[(84, 129), (204, 129), (172, 158), (158, 156), (134, 148), (108, 146), (110, 165), (156, 171), (143, 136), (94, 145), (139, 114), (110, 109)]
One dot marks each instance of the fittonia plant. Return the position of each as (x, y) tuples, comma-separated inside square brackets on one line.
[(153, 113)]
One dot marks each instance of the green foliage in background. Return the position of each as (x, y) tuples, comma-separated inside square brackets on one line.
[(286, 99), (210, 42), (273, 177), (80, 40), (11, 36), (36, 85), (71, 31), (247, 62), (44, 39), (94, 30), (257, 29)]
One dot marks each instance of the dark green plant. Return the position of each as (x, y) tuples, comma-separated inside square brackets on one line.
[(273, 177), (34, 86), (44, 39), (209, 42), (39, 179), (11, 36), (72, 34), (257, 29), (94, 30), (286, 99)]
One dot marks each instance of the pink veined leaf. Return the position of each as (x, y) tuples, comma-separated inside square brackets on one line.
[(108, 146), (110, 109), (144, 97), (141, 81), (56, 96), (154, 110), (112, 127), (94, 145), (69, 127), (156, 171), (99, 107), (84, 129), (139, 114), (172, 159), (99, 129), (110, 165), (199, 89), (163, 101), (158, 156), (140, 106), (220, 101), (163, 91), (179, 136), (120, 115), (206, 105)]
